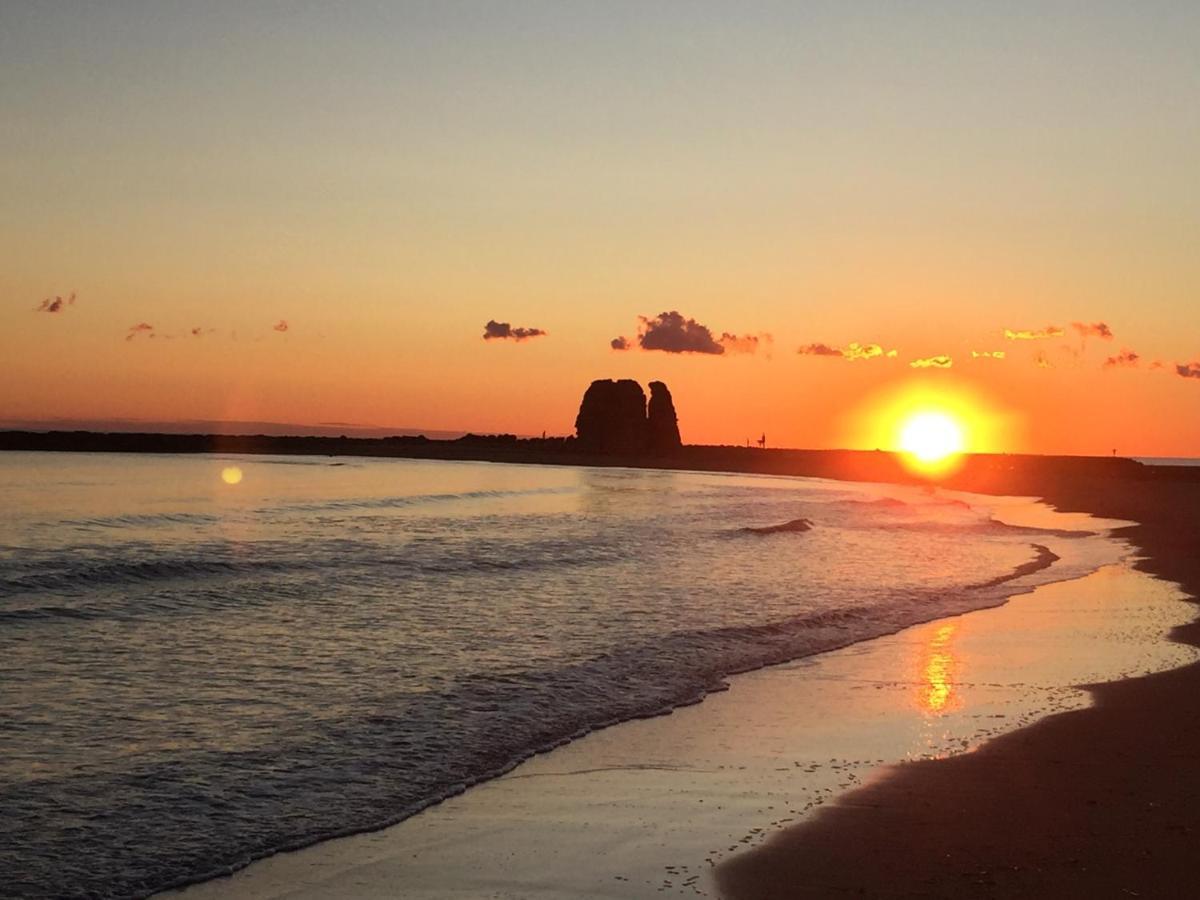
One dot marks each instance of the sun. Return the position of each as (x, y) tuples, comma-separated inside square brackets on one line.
[(932, 437), (932, 424)]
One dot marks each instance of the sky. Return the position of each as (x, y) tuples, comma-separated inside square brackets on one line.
[(314, 213)]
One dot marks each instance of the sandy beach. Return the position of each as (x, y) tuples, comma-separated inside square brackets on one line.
[(915, 751)]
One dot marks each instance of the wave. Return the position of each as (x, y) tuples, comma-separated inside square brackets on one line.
[(409, 500), (84, 576), (1045, 559), (898, 505), (981, 527), (269, 461), (92, 573), (150, 520), (136, 585), (904, 515), (143, 520), (989, 526), (795, 526)]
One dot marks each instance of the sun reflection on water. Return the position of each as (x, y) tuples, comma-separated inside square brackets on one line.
[(937, 689)]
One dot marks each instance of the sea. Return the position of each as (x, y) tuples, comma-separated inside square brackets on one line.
[(1168, 460), (205, 660)]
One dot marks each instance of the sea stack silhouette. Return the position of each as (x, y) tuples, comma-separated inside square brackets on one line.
[(614, 418), (662, 424)]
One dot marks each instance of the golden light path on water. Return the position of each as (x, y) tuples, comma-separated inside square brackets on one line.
[(938, 687)]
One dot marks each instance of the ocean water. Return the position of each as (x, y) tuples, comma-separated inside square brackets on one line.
[(1168, 460), (196, 673)]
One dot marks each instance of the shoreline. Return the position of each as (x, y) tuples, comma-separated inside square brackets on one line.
[(248, 880), (1102, 801)]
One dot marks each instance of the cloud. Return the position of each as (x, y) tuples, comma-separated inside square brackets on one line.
[(734, 344), (1157, 364), (55, 304), (989, 354), (819, 350), (139, 328), (853, 350), (1050, 331), (1125, 359), (672, 333), (1042, 361), (1095, 329), (746, 343), (932, 362), (499, 331), (281, 325), (619, 343), (1188, 370)]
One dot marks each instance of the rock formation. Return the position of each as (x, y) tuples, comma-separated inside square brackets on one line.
[(662, 423), (613, 418)]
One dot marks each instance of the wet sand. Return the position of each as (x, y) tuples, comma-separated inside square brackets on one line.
[(661, 805), (1099, 802)]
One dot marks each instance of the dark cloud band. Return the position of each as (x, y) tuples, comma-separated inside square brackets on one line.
[(503, 331)]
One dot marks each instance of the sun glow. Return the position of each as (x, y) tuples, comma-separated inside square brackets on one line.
[(932, 441), (231, 475), (931, 437), (933, 423)]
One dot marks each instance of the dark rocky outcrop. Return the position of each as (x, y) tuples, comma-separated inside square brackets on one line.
[(662, 423), (612, 417)]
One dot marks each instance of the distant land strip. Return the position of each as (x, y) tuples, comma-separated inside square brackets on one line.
[(988, 473)]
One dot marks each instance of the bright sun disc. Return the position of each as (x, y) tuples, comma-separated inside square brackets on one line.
[(231, 475), (931, 437)]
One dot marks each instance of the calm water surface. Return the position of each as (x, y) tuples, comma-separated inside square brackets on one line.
[(194, 673)]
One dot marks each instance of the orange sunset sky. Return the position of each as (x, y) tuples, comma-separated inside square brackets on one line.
[(306, 214)]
